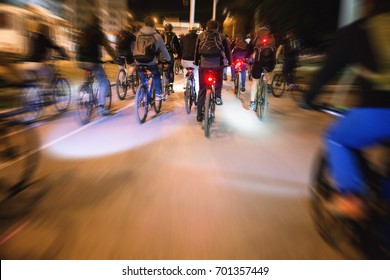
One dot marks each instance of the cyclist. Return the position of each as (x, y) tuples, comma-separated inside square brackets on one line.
[(124, 47), (148, 43), (362, 43), (173, 46), (290, 46), (212, 48), (262, 47), (239, 49), (89, 56), (188, 43), (39, 49)]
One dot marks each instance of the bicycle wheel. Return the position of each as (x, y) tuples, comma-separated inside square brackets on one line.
[(108, 97), (236, 84), (156, 103), (31, 104), (278, 85), (207, 115), (19, 155), (262, 100), (340, 233), (121, 84), (85, 103), (134, 82), (187, 97), (62, 94), (177, 67), (141, 108)]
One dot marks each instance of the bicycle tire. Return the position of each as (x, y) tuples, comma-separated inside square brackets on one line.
[(337, 232), (207, 115), (62, 94), (108, 102), (262, 100), (156, 103), (135, 82), (187, 98), (19, 156), (31, 103), (141, 102), (121, 84), (236, 84), (278, 85), (85, 103)]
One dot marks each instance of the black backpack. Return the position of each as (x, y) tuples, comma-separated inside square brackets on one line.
[(145, 48), (210, 44), (124, 40), (168, 40)]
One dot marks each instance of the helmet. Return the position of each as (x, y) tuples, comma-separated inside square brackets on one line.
[(193, 29), (168, 27)]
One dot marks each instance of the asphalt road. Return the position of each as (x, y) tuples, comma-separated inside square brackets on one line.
[(115, 189)]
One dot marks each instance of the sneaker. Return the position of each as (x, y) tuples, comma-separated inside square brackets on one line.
[(349, 206), (199, 118), (252, 106), (224, 77), (103, 111), (218, 101), (171, 88), (243, 89)]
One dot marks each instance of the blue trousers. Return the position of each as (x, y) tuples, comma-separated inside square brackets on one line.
[(361, 128), (156, 77)]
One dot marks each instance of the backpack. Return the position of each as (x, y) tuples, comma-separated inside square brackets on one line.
[(168, 40), (264, 50), (210, 44), (123, 40), (145, 48)]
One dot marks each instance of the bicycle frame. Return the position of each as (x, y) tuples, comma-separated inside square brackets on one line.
[(189, 93)]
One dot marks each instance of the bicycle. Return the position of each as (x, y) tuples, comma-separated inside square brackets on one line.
[(209, 106), (18, 152), (177, 66), (239, 65), (354, 239), (164, 69), (38, 97), (279, 86), (88, 94), (125, 81), (190, 97), (261, 99), (146, 95)]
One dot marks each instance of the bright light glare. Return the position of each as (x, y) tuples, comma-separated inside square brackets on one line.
[(103, 138), (241, 120)]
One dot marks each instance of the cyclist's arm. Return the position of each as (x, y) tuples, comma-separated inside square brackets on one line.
[(110, 50), (339, 55), (278, 51), (227, 50), (160, 45), (177, 45)]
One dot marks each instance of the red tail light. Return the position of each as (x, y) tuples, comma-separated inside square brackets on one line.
[(264, 40), (210, 78)]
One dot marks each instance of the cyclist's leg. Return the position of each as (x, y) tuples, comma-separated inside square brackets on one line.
[(100, 75), (359, 129), (157, 79), (233, 71), (218, 85), (243, 78)]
